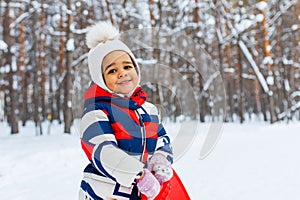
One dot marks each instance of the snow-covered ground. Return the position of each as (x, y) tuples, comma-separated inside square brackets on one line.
[(251, 161)]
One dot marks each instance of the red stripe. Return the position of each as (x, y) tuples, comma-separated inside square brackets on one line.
[(151, 129), (131, 113), (95, 91), (120, 131), (88, 149), (145, 156)]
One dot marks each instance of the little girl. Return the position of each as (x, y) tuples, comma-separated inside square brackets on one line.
[(128, 148)]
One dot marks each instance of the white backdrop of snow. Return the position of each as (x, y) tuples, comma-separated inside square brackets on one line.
[(251, 161)]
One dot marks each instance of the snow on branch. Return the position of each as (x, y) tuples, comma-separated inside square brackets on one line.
[(79, 60), (3, 45), (19, 19), (210, 80), (293, 108), (295, 94), (283, 9), (146, 62), (78, 31), (259, 75), (54, 32)]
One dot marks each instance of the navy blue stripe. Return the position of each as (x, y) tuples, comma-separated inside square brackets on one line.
[(166, 148), (151, 145), (120, 116), (87, 188), (170, 159), (92, 107), (94, 100), (91, 169), (150, 118), (88, 108), (161, 131), (97, 128), (97, 159), (118, 193)]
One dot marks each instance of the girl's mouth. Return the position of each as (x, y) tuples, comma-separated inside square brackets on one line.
[(125, 82)]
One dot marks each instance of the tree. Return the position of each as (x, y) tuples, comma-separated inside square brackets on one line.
[(12, 100), (69, 72)]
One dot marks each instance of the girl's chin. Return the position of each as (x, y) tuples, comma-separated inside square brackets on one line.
[(125, 90)]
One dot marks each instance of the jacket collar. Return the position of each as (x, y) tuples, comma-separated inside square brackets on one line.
[(95, 94)]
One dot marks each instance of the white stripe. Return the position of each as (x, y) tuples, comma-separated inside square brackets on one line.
[(140, 111), (119, 164), (150, 108), (90, 118), (103, 138)]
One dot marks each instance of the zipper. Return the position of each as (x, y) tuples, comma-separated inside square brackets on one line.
[(144, 137)]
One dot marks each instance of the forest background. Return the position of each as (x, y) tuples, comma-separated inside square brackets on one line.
[(253, 46)]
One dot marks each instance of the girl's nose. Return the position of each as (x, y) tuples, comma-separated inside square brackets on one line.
[(122, 73)]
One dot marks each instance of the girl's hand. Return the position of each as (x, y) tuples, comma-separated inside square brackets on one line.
[(162, 173), (161, 167), (148, 185)]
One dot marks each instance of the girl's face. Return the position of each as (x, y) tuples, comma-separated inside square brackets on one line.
[(119, 73)]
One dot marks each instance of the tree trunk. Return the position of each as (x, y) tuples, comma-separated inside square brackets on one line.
[(22, 69), (196, 17), (41, 62), (13, 101), (37, 85), (110, 12), (68, 84), (267, 55), (240, 86), (61, 69)]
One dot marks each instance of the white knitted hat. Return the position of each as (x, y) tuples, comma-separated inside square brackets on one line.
[(102, 38)]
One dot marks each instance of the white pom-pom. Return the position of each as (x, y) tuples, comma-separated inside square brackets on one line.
[(100, 33)]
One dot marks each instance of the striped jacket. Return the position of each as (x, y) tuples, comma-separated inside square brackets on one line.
[(118, 135)]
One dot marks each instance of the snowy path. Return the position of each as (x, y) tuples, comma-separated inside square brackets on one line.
[(251, 161)]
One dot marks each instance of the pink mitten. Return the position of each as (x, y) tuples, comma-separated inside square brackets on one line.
[(161, 167), (162, 173), (148, 185)]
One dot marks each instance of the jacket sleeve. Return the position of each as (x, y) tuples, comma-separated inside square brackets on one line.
[(163, 145), (100, 146)]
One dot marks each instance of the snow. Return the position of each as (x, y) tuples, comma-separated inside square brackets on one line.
[(3, 45), (270, 80), (253, 64), (210, 80), (255, 160), (70, 44), (294, 27), (295, 94), (261, 5), (259, 17), (244, 25)]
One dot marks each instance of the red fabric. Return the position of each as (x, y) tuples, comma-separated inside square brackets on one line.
[(151, 129), (120, 131), (88, 149), (138, 96), (171, 190)]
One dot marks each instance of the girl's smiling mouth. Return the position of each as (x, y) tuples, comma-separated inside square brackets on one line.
[(125, 82)]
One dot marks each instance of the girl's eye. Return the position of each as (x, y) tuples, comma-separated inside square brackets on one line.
[(111, 71), (128, 67)]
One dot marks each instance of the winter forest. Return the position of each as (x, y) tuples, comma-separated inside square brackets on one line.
[(227, 60)]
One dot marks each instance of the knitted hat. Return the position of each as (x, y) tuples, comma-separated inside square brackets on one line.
[(102, 38)]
